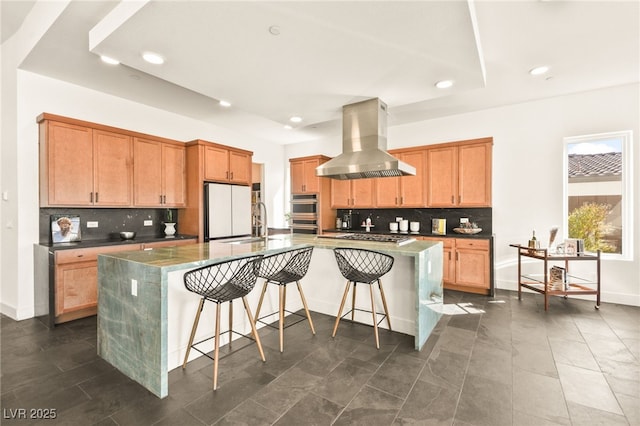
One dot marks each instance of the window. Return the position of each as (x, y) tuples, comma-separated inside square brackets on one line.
[(598, 193)]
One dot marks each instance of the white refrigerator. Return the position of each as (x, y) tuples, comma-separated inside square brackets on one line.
[(228, 211)]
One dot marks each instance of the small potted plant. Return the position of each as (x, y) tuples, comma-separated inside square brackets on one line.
[(169, 224)]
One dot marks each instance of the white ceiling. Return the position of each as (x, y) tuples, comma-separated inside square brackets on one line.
[(328, 54)]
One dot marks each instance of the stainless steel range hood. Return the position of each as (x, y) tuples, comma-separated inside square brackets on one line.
[(364, 144)]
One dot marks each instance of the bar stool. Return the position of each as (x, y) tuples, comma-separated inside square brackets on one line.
[(282, 269), (366, 267), (218, 283)]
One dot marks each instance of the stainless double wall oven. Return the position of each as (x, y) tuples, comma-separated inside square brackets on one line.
[(304, 213)]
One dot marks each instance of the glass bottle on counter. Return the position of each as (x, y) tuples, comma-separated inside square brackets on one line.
[(533, 242)]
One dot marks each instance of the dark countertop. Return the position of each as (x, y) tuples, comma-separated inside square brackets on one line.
[(118, 241), (481, 235)]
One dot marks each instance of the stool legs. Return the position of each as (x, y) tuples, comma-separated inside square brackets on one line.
[(384, 304), (193, 332), (373, 309), (344, 299), (281, 298), (353, 301), (253, 328), (282, 303), (216, 350), (264, 290), (306, 308), (375, 319), (230, 320)]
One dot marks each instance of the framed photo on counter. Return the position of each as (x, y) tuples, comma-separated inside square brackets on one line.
[(65, 228)]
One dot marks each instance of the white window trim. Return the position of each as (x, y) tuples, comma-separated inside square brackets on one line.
[(627, 188)]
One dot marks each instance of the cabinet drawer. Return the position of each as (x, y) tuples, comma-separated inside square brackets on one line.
[(90, 254), (472, 244)]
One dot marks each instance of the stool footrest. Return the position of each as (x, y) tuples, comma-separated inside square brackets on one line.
[(246, 336), (379, 314), (271, 324)]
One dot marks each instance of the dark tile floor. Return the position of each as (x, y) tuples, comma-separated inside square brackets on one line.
[(491, 361)]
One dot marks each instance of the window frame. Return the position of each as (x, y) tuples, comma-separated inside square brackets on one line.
[(626, 137)]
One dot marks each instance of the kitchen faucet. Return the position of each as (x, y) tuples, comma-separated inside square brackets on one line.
[(256, 212)]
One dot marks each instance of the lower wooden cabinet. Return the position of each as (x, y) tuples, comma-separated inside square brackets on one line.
[(467, 264), (75, 278)]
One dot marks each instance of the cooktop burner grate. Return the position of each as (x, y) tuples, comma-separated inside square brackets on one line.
[(397, 239)]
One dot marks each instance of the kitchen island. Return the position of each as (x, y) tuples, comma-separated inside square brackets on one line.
[(145, 313)]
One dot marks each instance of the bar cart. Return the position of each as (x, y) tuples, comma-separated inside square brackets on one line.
[(572, 284)]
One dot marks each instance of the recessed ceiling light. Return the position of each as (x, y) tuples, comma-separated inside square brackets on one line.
[(286, 126), (108, 60), (539, 70), (295, 119), (153, 58), (444, 84), (274, 30), (225, 104)]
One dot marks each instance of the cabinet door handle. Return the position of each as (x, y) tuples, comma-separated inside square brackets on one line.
[(457, 256), (459, 199), (227, 174), (164, 199), (91, 197), (453, 200), (396, 202), (401, 200), (160, 198), (231, 175), (449, 255), (96, 197)]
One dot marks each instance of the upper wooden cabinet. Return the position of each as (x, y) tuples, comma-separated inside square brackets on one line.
[(226, 164), (210, 162), (303, 174), (88, 164), (349, 194), (459, 174), (81, 166), (405, 191), (159, 173)]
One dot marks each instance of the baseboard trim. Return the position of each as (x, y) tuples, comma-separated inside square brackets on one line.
[(17, 314)]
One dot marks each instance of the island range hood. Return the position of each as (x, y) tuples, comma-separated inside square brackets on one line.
[(364, 145)]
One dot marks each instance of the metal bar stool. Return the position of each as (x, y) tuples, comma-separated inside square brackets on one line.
[(218, 283), (282, 269), (366, 267)]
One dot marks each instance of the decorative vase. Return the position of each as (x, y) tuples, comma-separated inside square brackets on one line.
[(169, 229)]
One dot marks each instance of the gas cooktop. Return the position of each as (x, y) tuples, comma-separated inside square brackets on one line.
[(396, 239)]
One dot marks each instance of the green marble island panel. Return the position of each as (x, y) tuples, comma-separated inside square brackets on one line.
[(132, 324), (132, 329)]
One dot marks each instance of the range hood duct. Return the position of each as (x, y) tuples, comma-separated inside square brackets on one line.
[(364, 145)]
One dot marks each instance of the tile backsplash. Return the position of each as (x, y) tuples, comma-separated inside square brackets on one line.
[(381, 217), (110, 222)]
